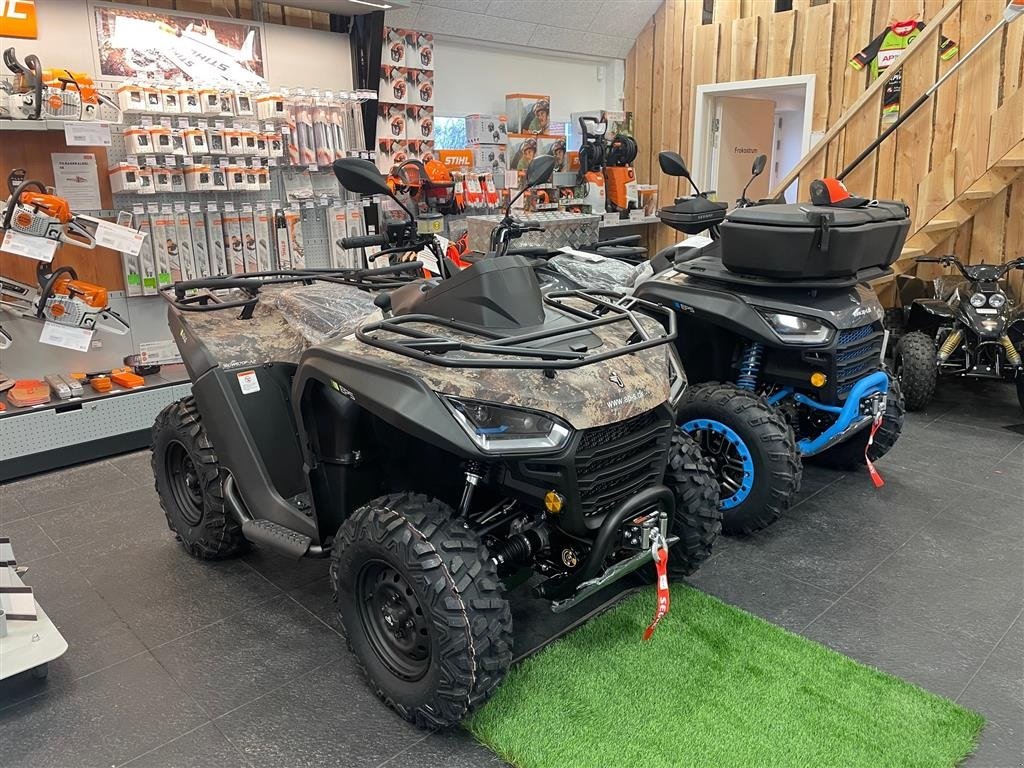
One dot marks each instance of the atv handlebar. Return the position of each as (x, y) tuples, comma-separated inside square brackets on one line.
[(965, 269), (364, 241)]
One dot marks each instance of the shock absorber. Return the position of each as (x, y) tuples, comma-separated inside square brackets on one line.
[(1012, 355), (950, 345), (750, 366)]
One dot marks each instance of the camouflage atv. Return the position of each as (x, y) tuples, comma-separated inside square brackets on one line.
[(439, 443)]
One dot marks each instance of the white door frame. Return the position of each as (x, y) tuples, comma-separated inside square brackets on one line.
[(705, 113)]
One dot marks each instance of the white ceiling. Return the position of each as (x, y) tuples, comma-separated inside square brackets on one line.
[(605, 29)]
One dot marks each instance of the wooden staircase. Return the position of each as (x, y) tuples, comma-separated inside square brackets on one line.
[(965, 185)]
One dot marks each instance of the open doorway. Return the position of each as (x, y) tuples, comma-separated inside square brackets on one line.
[(735, 122)]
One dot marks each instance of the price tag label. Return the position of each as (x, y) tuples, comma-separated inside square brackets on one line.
[(158, 353), (202, 124), (429, 261), (38, 248), (313, 167), (611, 218), (118, 238), (87, 134), (66, 336), (309, 204), (182, 122)]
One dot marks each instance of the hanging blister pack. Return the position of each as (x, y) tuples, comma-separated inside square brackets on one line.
[(200, 241), (215, 239), (184, 239), (248, 230), (131, 263), (262, 221), (296, 242), (336, 230), (233, 239), (164, 235), (147, 262), (284, 250)]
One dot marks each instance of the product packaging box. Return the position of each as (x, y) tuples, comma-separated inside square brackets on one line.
[(263, 221), (131, 265), (169, 104), (124, 177), (226, 103), (281, 242), (270, 105), (131, 97), (235, 175), (486, 129), (421, 87), (215, 141), (184, 233), (137, 141), (147, 263), (419, 50), (233, 142), (618, 122), (522, 149), (248, 227), (527, 112), (296, 241), (145, 182), (198, 178), (200, 241), (188, 100), (554, 146), (195, 141), (243, 104), (215, 240), (393, 51), (162, 181), (421, 150), (336, 230), (304, 140), (151, 95), (394, 85), (219, 178), (489, 157), (275, 144), (164, 242), (323, 135), (419, 123), (391, 121), (160, 138), (233, 239), (209, 99)]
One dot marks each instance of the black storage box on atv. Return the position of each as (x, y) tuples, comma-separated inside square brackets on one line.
[(692, 214), (800, 240)]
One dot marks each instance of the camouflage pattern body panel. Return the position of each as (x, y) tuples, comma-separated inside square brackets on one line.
[(591, 396), (286, 321)]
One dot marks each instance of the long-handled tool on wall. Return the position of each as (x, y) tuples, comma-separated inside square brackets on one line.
[(1013, 11)]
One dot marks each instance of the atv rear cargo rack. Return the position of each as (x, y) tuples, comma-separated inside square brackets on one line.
[(498, 351), (250, 283)]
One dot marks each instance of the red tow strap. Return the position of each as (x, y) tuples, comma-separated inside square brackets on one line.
[(875, 477), (664, 599)]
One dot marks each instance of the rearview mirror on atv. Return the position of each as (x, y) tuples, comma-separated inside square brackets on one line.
[(759, 163), (673, 165), (539, 170), (361, 176)]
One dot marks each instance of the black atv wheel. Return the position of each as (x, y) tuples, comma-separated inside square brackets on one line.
[(914, 364), (849, 454), (895, 321), (751, 449), (698, 517), (188, 484), (422, 609)]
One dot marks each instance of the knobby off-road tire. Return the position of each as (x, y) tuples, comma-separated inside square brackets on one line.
[(188, 484), (404, 554), (914, 364), (741, 435), (849, 454), (698, 516)]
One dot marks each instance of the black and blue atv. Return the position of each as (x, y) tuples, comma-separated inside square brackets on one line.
[(780, 335)]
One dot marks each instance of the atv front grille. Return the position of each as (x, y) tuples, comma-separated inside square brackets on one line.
[(858, 353), (616, 461)]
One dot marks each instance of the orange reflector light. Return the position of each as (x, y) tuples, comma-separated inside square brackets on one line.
[(553, 502), (818, 379)]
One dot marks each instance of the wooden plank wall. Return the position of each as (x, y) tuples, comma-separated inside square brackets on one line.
[(959, 134)]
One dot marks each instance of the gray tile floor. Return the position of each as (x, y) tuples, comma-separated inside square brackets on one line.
[(179, 663)]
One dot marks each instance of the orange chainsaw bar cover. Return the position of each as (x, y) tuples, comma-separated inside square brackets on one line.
[(93, 295), (29, 392)]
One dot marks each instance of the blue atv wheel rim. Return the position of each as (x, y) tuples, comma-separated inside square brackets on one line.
[(729, 456)]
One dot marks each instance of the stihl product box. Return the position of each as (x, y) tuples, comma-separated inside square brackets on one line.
[(215, 238), (248, 229), (527, 112), (200, 241), (486, 129)]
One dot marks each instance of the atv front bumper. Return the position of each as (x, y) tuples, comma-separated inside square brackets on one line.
[(865, 401)]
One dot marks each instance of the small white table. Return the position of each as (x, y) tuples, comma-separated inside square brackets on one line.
[(30, 645)]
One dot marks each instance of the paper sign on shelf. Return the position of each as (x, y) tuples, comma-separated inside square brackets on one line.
[(38, 248), (66, 336), (159, 353), (123, 239), (77, 179), (90, 134)]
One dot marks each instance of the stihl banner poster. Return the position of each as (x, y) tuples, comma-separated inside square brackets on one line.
[(168, 47)]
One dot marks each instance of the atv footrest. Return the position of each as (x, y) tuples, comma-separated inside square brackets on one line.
[(284, 540)]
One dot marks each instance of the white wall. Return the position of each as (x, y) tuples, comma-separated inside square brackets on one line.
[(790, 149), (475, 78), (293, 56)]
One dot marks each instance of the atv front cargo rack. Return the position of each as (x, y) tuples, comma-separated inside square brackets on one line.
[(712, 268), (198, 296), (498, 351)]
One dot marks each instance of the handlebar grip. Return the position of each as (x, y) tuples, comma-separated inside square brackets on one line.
[(931, 259), (394, 269), (364, 241)]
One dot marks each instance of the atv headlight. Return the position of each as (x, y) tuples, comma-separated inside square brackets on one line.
[(497, 428), (978, 300), (795, 329), (997, 300)]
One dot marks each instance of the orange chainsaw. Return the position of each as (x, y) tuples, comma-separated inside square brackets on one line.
[(23, 100), (34, 210), (67, 90), (62, 299)]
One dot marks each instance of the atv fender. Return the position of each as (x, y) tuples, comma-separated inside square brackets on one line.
[(720, 307), (399, 399), (929, 315)]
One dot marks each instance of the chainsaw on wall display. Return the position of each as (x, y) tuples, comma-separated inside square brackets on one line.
[(60, 296), (50, 93)]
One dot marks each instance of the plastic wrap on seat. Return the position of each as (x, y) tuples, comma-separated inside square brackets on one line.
[(603, 275), (322, 310)]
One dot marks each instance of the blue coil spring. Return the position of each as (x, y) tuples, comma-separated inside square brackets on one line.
[(750, 366)]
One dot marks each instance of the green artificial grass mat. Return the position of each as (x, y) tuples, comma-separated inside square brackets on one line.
[(714, 687)]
